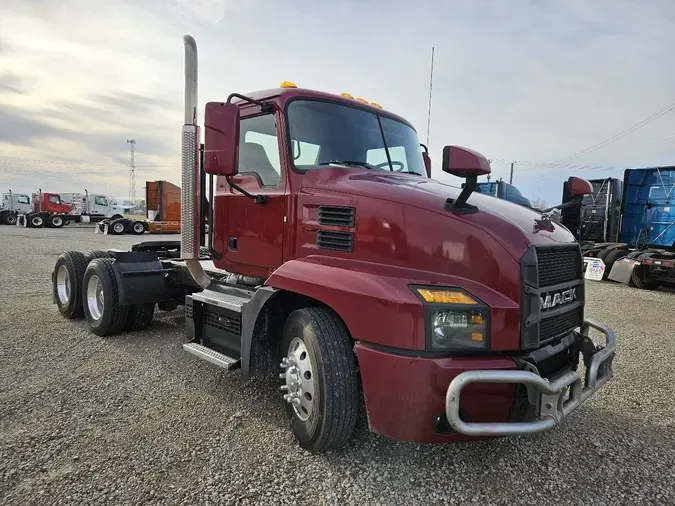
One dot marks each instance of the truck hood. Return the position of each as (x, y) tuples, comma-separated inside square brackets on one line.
[(512, 225)]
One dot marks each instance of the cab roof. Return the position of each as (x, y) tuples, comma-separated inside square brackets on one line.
[(286, 94)]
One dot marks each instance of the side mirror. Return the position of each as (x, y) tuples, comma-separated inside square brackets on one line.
[(221, 138), (427, 160), (579, 187), (464, 162), (469, 164)]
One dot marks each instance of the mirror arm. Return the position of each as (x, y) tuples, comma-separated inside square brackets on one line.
[(259, 199), (576, 200), (265, 107), (460, 206)]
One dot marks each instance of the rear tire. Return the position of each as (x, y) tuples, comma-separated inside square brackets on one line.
[(55, 221), (67, 283), (317, 341), (100, 298), (637, 277), (140, 316), (117, 227), (137, 227), (36, 221), (91, 254), (610, 258)]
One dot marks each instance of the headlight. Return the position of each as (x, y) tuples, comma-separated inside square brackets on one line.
[(456, 320)]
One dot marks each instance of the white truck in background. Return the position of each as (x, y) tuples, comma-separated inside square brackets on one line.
[(12, 205), (94, 207)]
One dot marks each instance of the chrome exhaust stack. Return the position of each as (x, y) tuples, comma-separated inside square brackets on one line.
[(190, 201)]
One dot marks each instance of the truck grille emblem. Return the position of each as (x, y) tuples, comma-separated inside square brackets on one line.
[(556, 299)]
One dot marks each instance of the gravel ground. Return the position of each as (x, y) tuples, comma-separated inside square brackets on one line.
[(134, 419)]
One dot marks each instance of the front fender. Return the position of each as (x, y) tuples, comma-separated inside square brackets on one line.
[(373, 300), (377, 304)]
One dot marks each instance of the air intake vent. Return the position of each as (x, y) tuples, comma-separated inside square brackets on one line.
[(336, 241), (338, 216)]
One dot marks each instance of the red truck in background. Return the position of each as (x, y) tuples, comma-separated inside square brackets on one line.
[(47, 210), (162, 204), (333, 256)]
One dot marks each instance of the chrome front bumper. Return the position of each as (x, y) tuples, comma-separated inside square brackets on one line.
[(553, 406)]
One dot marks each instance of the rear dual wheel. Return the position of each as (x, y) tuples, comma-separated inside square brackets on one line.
[(67, 283), (100, 298)]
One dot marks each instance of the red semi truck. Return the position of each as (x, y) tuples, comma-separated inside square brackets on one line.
[(333, 255)]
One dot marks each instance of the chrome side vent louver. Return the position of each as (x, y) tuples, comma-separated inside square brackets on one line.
[(337, 216), (335, 241)]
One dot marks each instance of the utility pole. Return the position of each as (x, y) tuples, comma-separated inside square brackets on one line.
[(511, 178), (132, 171)]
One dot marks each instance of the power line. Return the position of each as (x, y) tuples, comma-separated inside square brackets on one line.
[(618, 136)]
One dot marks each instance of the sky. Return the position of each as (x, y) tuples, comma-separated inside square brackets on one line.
[(531, 81)]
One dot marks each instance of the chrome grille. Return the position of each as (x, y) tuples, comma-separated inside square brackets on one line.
[(550, 270)]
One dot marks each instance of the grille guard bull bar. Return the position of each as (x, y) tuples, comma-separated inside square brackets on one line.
[(553, 408)]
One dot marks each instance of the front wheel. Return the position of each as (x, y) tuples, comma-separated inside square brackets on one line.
[(320, 379)]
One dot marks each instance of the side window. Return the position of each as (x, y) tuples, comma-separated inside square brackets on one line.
[(54, 199), (379, 156), (100, 201), (23, 199), (259, 149)]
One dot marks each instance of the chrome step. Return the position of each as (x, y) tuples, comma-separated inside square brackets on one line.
[(212, 356), (227, 301)]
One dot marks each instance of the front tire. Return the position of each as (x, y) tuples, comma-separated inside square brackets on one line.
[(67, 283), (9, 219), (321, 384), (100, 298)]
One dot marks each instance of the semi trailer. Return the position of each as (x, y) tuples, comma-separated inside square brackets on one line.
[(162, 200), (335, 263), (12, 205), (503, 190), (626, 227)]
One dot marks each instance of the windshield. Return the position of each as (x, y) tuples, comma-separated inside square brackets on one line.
[(324, 133)]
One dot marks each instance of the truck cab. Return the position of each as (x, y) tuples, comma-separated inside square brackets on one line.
[(334, 263), (12, 205)]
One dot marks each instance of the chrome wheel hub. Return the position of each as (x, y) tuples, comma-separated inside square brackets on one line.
[(63, 285), (299, 379), (95, 297)]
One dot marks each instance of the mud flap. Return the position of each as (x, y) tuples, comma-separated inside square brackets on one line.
[(622, 270), (594, 268)]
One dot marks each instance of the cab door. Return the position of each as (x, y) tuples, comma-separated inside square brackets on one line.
[(251, 240)]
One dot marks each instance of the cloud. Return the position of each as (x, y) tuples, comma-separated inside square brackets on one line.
[(532, 81)]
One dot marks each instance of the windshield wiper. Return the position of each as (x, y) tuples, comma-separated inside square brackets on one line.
[(408, 172), (351, 163)]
